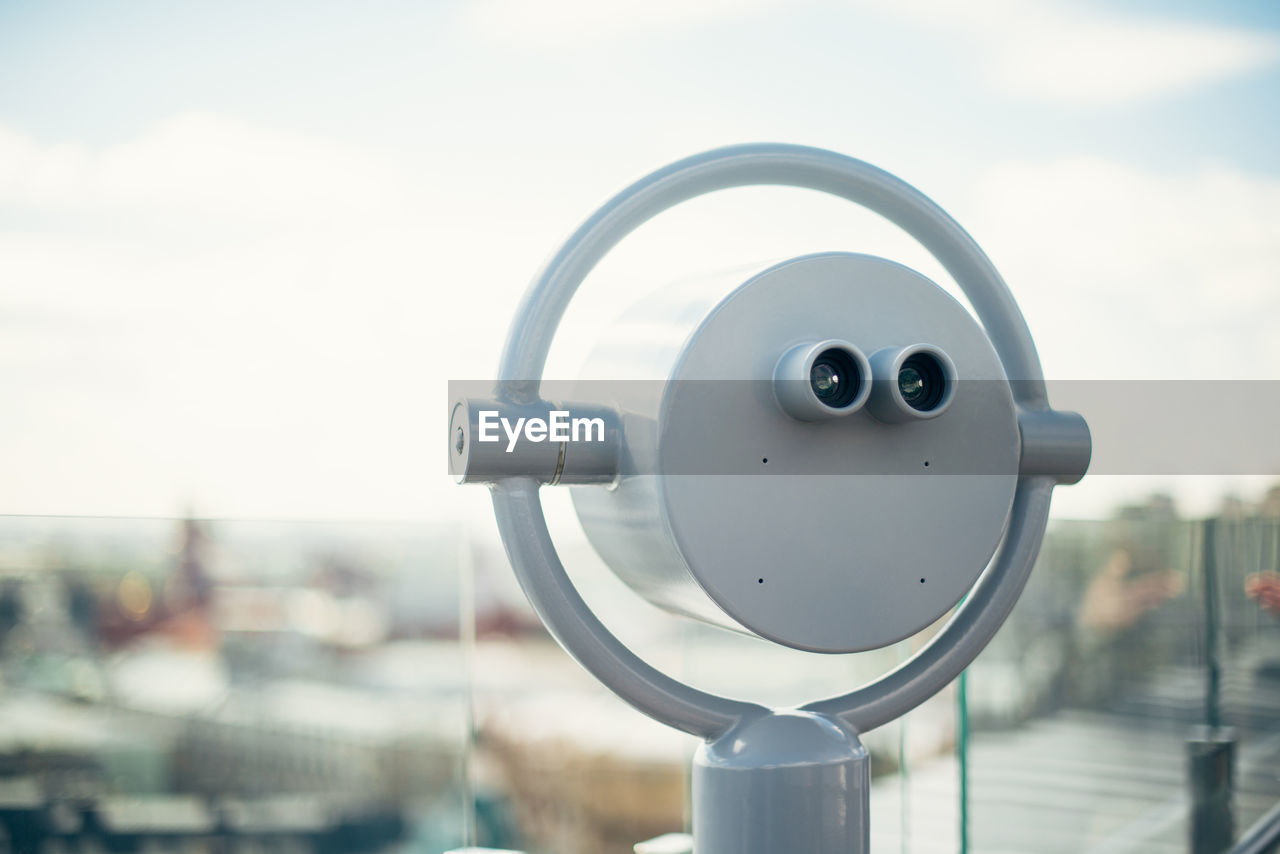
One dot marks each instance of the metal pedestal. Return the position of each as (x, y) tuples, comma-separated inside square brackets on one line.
[(789, 781)]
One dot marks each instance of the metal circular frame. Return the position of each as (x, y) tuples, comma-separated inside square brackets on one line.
[(519, 508)]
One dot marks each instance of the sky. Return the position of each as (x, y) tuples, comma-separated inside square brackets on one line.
[(244, 246)]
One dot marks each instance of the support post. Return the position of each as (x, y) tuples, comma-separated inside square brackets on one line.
[(1211, 764), (1211, 748), (791, 781)]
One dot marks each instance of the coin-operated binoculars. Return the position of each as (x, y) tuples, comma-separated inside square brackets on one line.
[(839, 454)]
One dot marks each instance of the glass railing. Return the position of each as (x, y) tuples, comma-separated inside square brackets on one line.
[(173, 685), (1132, 701)]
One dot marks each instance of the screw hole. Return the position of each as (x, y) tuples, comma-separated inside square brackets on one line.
[(764, 460), (759, 581), (926, 463), (922, 581)]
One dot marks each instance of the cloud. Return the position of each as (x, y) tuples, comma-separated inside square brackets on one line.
[(218, 312), (295, 366), (1128, 273), (194, 162), (1078, 55), (1037, 50), (557, 23)]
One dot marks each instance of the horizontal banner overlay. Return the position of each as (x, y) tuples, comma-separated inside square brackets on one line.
[(736, 427)]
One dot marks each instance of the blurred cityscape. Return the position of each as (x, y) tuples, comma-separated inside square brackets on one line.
[(223, 686)]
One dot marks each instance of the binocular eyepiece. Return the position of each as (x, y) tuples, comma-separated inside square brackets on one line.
[(826, 379), (832, 379), (917, 382)]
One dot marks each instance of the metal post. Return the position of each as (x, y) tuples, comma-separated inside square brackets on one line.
[(962, 756), (1211, 763), (1211, 748), (1213, 668), (789, 781)]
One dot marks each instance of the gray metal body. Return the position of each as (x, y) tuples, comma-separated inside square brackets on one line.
[(744, 516), (795, 779)]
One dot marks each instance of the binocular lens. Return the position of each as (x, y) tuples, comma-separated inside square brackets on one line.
[(922, 382), (825, 379), (835, 378)]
